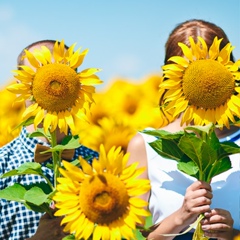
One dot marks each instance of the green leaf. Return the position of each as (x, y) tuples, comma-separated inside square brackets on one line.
[(213, 140), (167, 149), (70, 142), (164, 134), (25, 168), (201, 131), (230, 147), (220, 166), (189, 168), (39, 133), (43, 185), (30, 166), (75, 162), (15, 193), (36, 196), (148, 223), (69, 237), (69, 138), (18, 191), (42, 208), (209, 155), (197, 150), (192, 147), (49, 165), (28, 122)]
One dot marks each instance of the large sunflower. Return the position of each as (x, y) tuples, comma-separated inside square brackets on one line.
[(203, 84), (59, 93), (102, 200)]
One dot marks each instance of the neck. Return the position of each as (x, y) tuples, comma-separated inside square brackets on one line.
[(174, 126)]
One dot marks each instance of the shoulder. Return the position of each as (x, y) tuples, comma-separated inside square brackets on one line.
[(136, 149), (137, 140)]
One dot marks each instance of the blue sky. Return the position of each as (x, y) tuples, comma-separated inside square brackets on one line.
[(125, 38)]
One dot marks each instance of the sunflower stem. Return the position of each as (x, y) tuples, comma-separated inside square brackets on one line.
[(199, 234), (56, 157)]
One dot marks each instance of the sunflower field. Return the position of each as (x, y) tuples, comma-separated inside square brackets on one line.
[(119, 110), (62, 100)]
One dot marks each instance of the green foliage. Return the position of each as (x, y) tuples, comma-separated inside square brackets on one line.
[(36, 197), (27, 122), (25, 168), (196, 149), (69, 142), (69, 237), (28, 168), (145, 228), (40, 133)]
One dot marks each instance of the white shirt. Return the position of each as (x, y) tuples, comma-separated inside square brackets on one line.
[(168, 185)]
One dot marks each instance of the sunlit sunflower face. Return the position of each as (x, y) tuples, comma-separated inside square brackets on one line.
[(203, 84), (56, 87), (102, 200), (204, 89), (59, 94)]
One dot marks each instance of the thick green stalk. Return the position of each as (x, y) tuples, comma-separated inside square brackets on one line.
[(55, 157)]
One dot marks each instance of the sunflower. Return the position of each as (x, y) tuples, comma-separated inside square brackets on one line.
[(59, 94), (110, 132), (203, 84), (102, 200), (9, 115)]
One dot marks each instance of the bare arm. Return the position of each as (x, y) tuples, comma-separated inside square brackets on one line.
[(197, 199), (137, 150)]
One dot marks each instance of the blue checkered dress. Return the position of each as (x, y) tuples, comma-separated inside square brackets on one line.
[(16, 221)]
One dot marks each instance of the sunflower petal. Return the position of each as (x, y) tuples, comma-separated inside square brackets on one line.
[(31, 58), (186, 51)]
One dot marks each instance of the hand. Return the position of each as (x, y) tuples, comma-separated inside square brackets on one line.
[(49, 228), (218, 223), (197, 200)]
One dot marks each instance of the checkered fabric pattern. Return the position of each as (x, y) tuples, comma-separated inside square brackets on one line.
[(16, 221)]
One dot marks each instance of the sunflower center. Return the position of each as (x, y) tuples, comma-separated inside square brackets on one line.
[(103, 198), (56, 87), (207, 84)]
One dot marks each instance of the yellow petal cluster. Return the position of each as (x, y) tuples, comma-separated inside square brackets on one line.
[(121, 109), (59, 94), (102, 200), (110, 132), (9, 116), (203, 84), (110, 120)]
